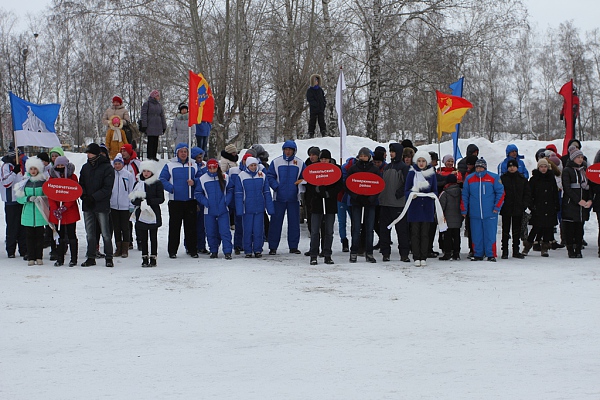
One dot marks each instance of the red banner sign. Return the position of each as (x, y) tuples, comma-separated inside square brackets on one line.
[(322, 174), (62, 189), (593, 173), (365, 183)]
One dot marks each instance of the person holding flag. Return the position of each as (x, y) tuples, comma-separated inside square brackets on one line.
[(202, 108)]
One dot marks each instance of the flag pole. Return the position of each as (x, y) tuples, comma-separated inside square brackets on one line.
[(341, 118), (189, 160)]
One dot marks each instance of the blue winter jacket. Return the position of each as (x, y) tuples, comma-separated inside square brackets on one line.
[(209, 194), (483, 193), (422, 209), (503, 166), (283, 174), (252, 193), (174, 177)]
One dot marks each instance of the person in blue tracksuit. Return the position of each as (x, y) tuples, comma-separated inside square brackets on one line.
[(252, 197), (175, 177), (284, 175), (198, 156), (482, 198), (238, 234), (512, 153), (214, 194)]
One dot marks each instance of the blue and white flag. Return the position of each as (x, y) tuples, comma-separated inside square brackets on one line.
[(33, 124)]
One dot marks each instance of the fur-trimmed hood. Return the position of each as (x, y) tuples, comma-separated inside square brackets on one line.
[(39, 165), (313, 80), (114, 128), (149, 165)]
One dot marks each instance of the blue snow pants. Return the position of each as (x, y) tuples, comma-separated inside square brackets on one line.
[(238, 234), (254, 228), (276, 225), (483, 233), (218, 231), (200, 231)]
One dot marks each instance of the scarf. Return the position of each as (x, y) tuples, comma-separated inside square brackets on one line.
[(584, 181), (116, 134), (442, 226)]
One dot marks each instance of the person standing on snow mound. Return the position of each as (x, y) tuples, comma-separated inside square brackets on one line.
[(154, 122), (284, 175), (317, 102), (482, 198), (512, 153)]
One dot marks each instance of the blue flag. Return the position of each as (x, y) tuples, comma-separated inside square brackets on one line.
[(457, 89), (33, 124)]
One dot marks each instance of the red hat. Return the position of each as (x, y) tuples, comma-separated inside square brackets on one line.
[(128, 148), (553, 148), (246, 155), (118, 99), (212, 163), (116, 120)]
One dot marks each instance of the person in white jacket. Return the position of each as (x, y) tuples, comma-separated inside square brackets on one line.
[(120, 205)]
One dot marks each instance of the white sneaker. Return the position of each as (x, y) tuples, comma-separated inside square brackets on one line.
[(417, 263), (423, 263)]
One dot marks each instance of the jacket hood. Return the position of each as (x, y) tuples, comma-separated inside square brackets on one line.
[(472, 148), (512, 147), (313, 80), (397, 148), (574, 141), (180, 146), (289, 144), (69, 170)]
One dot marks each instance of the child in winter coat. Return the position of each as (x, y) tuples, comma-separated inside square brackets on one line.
[(119, 206), (29, 189), (252, 197), (213, 193), (450, 202), (421, 210), (516, 199), (198, 156), (65, 216), (115, 137), (147, 196)]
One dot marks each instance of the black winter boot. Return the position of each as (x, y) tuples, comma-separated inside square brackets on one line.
[(545, 248), (571, 251), (527, 245), (153, 261), (145, 262), (74, 249), (345, 247), (504, 254)]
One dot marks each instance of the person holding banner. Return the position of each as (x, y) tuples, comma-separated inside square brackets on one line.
[(363, 208), (65, 214), (323, 209), (29, 189)]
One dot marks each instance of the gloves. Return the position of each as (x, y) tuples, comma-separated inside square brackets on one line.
[(59, 212), (143, 129), (17, 168), (399, 193), (32, 198)]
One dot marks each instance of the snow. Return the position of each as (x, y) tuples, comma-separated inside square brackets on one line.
[(277, 328)]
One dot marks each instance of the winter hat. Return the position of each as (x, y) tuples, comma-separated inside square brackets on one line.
[(11, 153), (230, 148), (481, 163), (512, 163), (325, 154), (128, 148), (118, 159), (451, 178), (434, 156), (247, 155), (93, 148), (58, 150), (251, 160), (575, 154), (379, 149), (154, 94), (408, 152), (115, 120), (378, 156), (252, 152), (408, 143), (117, 99), (182, 106), (212, 163), (543, 161), (552, 147), (313, 151), (422, 154), (62, 160), (104, 149), (471, 160), (149, 165), (196, 151), (35, 163), (572, 148), (447, 158), (43, 156), (365, 152)]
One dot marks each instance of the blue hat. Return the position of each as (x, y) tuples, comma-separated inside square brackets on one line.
[(196, 151)]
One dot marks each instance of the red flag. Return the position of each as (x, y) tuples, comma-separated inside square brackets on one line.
[(202, 102), (451, 110), (569, 112)]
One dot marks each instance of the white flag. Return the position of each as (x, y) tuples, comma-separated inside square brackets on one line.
[(339, 107)]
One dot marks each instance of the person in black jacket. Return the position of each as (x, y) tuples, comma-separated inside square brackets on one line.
[(323, 196), (316, 100), (544, 207), (96, 179), (153, 122), (147, 196), (576, 202), (363, 208), (517, 197), (472, 150)]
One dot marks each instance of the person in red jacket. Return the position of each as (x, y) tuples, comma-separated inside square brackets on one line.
[(67, 214)]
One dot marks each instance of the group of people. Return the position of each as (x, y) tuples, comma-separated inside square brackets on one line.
[(122, 196)]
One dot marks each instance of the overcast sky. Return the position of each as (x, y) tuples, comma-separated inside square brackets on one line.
[(544, 13)]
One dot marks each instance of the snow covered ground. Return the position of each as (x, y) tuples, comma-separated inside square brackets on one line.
[(277, 328)]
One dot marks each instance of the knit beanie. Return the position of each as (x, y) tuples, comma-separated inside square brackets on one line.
[(575, 154), (512, 163), (422, 154), (481, 163), (62, 160), (212, 163), (313, 151), (378, 156), (182, 106), (447, 158), (44, 156), (251, 160), (230, 148), (118, 159), (252, 152), (325, 154), (543, 161), (117, 99), (154, 94), (434, 156), (365, 152)]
